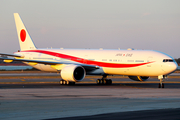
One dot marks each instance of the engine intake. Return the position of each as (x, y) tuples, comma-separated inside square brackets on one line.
[(138, 78), (73, 73)]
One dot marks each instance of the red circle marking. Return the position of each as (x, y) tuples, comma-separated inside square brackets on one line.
[(23, 35)]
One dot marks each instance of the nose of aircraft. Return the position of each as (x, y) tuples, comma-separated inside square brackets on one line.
[(171, 67)]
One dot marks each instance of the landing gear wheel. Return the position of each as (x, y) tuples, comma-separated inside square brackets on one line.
[(161, 85), (104, 82), (67, 82), (99, 81), (109, 81), (162, 78), (64, 82), (61, 82)]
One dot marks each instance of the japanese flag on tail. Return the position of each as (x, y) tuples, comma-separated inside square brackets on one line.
[(25, 40)]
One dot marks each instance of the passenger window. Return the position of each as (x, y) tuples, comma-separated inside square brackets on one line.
[(139, 61), (130, 60)]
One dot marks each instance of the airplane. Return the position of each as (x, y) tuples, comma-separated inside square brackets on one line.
[(74, 64)]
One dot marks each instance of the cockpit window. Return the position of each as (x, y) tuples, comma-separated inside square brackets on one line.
[(168, 60)]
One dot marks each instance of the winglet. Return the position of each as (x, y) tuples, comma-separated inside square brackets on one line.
[(25, 40)]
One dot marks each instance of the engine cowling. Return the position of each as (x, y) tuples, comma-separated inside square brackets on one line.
[(138, 78), (73, 73)]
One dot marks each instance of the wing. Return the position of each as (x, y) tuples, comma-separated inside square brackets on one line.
[(11, 55), (4, 57)]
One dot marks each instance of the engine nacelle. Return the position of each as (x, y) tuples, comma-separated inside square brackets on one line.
[(139, 78), (73, 73)]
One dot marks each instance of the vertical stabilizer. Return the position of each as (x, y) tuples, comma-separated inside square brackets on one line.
[(25, 40)]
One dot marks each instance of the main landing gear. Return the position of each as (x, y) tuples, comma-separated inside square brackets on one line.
[(161, 78), (104, 81), (64, 82)]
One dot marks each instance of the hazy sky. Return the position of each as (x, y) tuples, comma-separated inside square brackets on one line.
[(111, 24)]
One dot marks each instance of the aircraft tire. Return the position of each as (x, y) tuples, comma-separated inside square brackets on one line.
[(108, 81), (64, 82), (161, 86), (104, 82), (67, 82), (61, 82), (99, 81)]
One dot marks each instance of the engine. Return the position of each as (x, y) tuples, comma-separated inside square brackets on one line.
[(73, 73), (139, 78)]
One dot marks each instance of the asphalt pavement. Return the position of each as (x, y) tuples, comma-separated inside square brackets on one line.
[(31, 97)]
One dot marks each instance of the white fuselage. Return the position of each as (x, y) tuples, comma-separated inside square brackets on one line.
[(113, 62)]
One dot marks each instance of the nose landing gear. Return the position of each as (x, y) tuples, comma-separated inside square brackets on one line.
[(162, 78), (161, 84)]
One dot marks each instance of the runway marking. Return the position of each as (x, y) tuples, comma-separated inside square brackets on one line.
[(23, 80), (92, 79), (131, 86)]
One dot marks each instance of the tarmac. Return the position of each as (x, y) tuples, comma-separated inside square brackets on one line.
[(87, 100)]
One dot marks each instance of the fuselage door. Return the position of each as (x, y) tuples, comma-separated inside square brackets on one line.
[(150, 59)]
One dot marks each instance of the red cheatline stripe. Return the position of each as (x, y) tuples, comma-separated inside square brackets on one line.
[(84, 61)]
